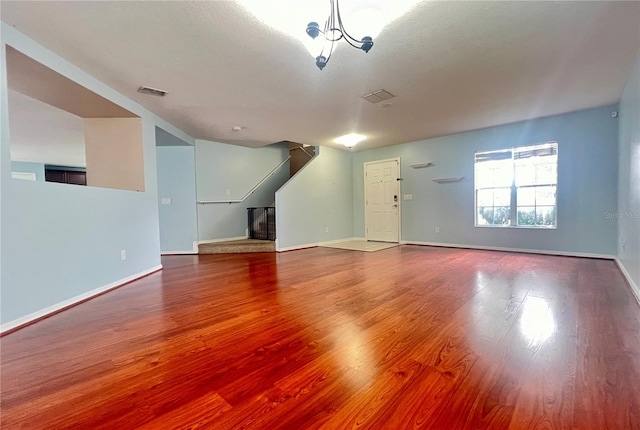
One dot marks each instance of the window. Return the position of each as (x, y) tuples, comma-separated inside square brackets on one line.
[(517, 187)]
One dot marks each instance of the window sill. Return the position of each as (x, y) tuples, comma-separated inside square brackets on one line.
[(526, 227)]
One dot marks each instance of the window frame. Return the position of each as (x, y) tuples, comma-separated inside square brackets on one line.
[(513, 203)]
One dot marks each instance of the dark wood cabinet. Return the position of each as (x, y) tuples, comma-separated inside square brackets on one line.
[(65, 176)]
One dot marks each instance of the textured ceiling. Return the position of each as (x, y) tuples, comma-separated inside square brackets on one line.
[(454, 66)]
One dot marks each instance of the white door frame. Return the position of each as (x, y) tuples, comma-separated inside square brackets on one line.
[(399, 181)]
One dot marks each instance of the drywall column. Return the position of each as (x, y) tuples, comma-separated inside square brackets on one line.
[(628, 214), (176, 194)]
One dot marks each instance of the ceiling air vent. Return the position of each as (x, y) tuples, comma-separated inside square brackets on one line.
[(152, 91), (378, 96)]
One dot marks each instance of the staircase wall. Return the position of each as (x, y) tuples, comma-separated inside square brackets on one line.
[(315, 206), (221, 167)]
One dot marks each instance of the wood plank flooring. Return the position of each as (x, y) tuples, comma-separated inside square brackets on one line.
[(405, 338)]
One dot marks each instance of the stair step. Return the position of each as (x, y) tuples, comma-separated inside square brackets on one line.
[(237, 246)]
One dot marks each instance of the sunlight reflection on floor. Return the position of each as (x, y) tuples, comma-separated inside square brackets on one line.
[(537, 323)]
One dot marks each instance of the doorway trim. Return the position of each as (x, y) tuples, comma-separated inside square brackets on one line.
[(399, 189)]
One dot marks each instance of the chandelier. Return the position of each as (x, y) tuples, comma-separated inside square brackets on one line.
[(333, 32)]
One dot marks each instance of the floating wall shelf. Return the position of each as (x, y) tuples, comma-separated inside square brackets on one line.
[(444, 180), (421, 165)]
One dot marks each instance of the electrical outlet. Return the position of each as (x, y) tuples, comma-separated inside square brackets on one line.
[(326, 230), (123, 254), (228, 191), (437, 229)]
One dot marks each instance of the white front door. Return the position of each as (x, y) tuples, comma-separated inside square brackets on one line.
[(382, 200)]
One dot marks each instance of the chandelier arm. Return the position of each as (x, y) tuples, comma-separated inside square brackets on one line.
[(329, 29), (334, 31), (346, 34), (347, 39), (331, 47), (329, 24)]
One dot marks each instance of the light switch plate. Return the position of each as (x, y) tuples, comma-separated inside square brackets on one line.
[(407, 197), (166, 200)]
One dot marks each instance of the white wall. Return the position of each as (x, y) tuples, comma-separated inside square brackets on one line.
[(587, 185), (43, 133), (629, 179), (60, 241), (221, 167), (317, 198)]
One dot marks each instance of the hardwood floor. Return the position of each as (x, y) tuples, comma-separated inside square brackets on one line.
[(404, 338)]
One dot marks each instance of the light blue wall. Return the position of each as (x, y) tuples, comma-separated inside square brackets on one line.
[(629, 179), (587, 184), (27, 166), (318, 197), (59, 242), (220, 167), (176, 181)]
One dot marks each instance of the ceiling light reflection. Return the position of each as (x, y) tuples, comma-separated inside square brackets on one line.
[(357, 347), (350, 140)]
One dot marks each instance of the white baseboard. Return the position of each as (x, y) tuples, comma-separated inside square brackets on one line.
[(456, 245), (313, 245), (224, 239), (523, 250), (189, 252), (634, 288), (74, 300)]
